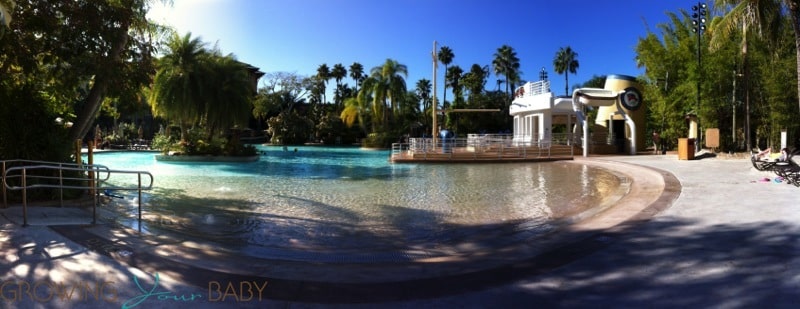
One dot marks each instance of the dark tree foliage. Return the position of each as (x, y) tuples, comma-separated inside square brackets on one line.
[(62, 58)]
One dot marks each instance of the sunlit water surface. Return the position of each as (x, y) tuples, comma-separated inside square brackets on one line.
[(325, 198)]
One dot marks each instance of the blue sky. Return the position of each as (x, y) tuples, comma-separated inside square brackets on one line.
[(299, 35)]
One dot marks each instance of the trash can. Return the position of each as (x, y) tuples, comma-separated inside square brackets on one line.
[(686, 148), (447, 141)]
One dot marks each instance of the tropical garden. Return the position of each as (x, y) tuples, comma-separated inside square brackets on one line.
[(100, 70), (746, 79)]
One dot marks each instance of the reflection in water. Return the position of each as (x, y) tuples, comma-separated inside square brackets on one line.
[(345, 198)]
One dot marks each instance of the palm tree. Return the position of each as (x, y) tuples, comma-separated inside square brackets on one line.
[(475, 80), (453, 79), (445, 56), (178, 84), (747, 13), (324, 75), (506, 63), (338, 73), (387, 87), (423, 90), (229, 94), (355, 109), (566, 62), (357, 73)]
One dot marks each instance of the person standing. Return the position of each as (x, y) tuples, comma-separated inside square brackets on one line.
[(656, 141)]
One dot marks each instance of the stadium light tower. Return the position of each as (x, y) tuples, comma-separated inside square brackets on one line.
[(698, 26)]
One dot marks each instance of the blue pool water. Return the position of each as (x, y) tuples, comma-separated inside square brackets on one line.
[(325, 198)]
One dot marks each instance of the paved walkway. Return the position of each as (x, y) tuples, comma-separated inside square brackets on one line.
[(708, 234)]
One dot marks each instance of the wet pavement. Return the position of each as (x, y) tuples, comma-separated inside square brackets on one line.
[(700, 233)]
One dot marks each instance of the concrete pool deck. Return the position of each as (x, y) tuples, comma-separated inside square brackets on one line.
[(722, 239)]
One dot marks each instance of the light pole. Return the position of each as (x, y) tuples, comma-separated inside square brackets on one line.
[(698, 26)]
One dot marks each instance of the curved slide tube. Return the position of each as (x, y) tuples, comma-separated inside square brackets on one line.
[(598, 97)]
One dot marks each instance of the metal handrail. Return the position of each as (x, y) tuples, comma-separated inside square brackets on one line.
[(93, 182), (86, 167)]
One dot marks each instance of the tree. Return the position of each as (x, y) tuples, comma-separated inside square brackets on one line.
[(229, 94), (445, 56), (566, 62), (794, 13), (506, 63), (355, 110), (127, 13), (423, 90), (68, 46), (475, 80), (280, 93), (357, 74), (323, 74), (764, 16), (338, 73), (453, 79), (387, 87), (178, 85)]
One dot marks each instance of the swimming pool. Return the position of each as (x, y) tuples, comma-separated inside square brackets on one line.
[(340, 199)]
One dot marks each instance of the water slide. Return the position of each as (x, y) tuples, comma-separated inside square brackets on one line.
[(599, 97)]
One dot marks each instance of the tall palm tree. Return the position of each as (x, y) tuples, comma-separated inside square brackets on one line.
[(566, 62), (445, 56), (354, 110), (423, 90), (338, 73), (387, 87), (453, 79), (178, 84), (229, 94), (475, 80), (760, 14), (324, 75), (357, 73), (506, 63)]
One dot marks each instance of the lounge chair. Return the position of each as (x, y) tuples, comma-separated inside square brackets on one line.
[(761, 164), (789, 173), (788, 169)]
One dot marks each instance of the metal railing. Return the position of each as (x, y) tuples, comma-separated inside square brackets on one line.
[(532, 89), (91, 181), (485, 147)]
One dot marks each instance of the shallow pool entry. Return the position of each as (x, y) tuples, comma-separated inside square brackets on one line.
[(323, 199)]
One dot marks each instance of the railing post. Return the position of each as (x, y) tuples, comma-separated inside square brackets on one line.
[(60, 185), (24, 199), (5, 198), (90, 163), (95, 194), (140, 198)]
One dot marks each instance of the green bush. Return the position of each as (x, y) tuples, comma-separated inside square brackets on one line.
[(196, 145), (163, 143), (378, 140)]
